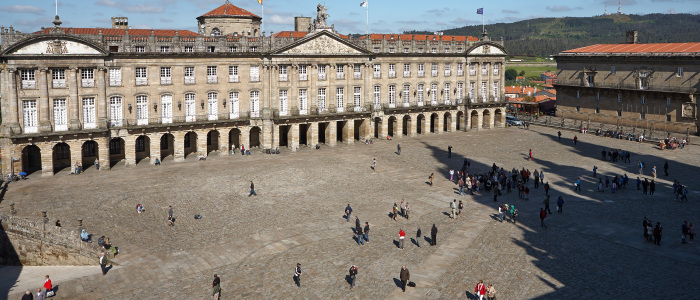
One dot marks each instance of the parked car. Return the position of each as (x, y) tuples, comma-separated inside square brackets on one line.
[(513, 121)]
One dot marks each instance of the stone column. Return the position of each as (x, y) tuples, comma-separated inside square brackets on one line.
[(273, 135), (202, 142), (101, 99), (453, 121), (13, 109), (224, 147), (46, 159), (130, 150), (467, 120), (492, 118), (413, 128), (399, 126), (440, 122), (349, 132), (384, 128), (480, 122), (293, 137), (312, 134), (73, 101), (76, 152), (103, 153), (244, 139), (43, 105), (155, 147), (331, 133), (179, 145)]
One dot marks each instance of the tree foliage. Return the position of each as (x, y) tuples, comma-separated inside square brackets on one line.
[(511, 74)]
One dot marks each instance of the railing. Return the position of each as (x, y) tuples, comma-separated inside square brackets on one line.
[(212, 117), (357, 75), (472, 73), (283, 77), (303, 76), (233, 78), (435, 73), (447, 73), (321, 76), (406, 73), (340, 76), (340, 109), (212, 79), (59, 83), (233, 115), (421, 73), (89, 125), (166, 80), (141, 121), (377, 75), (392, 105), (88, 82), (31, 129), (115, 82), (167, 120), (255, 114), (406, 104), (60, 127), (419, 103), (359, 109), (189, 80), (303, 112), (28, 84), (141, 81), (433, 103), (190, 118), (448, 102), (629, 86), (392, 74), (283, 113), (460, 72)]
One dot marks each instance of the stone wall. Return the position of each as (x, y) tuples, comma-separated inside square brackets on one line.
[(33, 243)]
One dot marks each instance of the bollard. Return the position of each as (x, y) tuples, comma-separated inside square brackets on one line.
[(43, 214), (80, 223), (12, 209)]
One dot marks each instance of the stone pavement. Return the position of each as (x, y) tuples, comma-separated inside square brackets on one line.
[(254, 242)]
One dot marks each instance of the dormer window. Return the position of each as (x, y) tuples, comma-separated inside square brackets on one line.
[(215, 32)]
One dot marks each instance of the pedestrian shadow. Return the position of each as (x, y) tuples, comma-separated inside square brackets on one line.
[(495, 217), (398, 282), (428, 240), (428, 183), (415, 242), (447, 214), (470, 295), (348, 279), (396, 243)]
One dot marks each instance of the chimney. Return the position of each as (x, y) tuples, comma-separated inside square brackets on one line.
[(302, 23), (120, 22), (631, 37)]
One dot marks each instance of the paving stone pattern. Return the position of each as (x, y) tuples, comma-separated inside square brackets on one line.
[(594, 249)]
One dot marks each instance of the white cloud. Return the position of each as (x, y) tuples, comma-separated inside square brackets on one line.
[(144, 8), (277, 19), (109, 3), (28, 9)]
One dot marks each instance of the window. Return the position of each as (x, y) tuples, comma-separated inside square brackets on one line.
[(644, 99), (496, 68), (213, 106), (447, 50), (472, 69), (141, 110), (29, 116), (460, 69), (233, 106), (447, 69), (60, 115), (59, 78), (211, 49), (433, 50), (419, 93), (115, 111), (233, 49), (668, 118), (166, 75), (619, 98), (484, 69), (87, 77), (376, 49), (590, 80), (612, 70), (392, 95), (303, 72), (216, 31), (140, 49), (339, 95), (357, 97), (619, 113), (642, 115), (405, 50), (643, 80), (484, 91), (377, 96), (421, 70), (420, 49), (164, 49), (254, 73), (254, 104), (597, 110), (406, 70), (166, 108), (115, 77), (189, 75), (433, 69), (253, 49), (392, 70), (460, 91), (190, 108), (447, 93), (141, 78), (283, 73), (321, 72), (322, 98), (459, 50), (377, 71), (211, 74), (284, 105), (472, 88), (303, 101), (679, 73), (406, 94), (578, 94), (668, 101), (232, 73), (391, 49), (340, 72), (357, 71), (140, 144), (433, 93), (189, 49), (89, 113)]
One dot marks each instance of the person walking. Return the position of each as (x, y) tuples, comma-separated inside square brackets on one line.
[(641, 167), (501, 212), (402, 236), (652, 187), (40, 295), (653, 172), (216, 288), (395, 211), (684, 232), (453, 207), (560, 205), (480, 290), (575, 139), (48, 287), (419, 235), (460, 207), (171, 219), (252, 189), (408, 210), (431, 178), (348, 212), (297, 275), (405, 276), (403, 208), (103, 263), (595, 171), (578, 184), (546, 204), (559, 134), (543, 214), (433, 235), (398, 149), (360, 234), (491, 292), (546, 188), (666, 168), (452, 174), (658, 231), (367, 232), (691, 232), (449, 151), (353, 275), (27, 296)]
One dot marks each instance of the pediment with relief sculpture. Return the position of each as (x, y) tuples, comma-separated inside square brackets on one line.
[(321, 43)]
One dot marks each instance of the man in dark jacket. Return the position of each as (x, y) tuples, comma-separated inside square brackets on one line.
[(433, 236), (353, 275), (404, 276)]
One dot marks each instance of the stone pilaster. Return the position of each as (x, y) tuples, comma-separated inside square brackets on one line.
[(413, 128), (13, 111), (179, 145), (349, 132), (245, 137), (312, 134), (155, 146), (73, 102), (440, 122), (101, 99), (453, 121), (76, 153), (103, 153), (384, 128), (129, 150), (46, 160), (273, 135), (43, 105), (331, 133), (201, 142), (224, 147), (293, 137)]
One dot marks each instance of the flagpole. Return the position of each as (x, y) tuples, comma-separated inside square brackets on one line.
[(263, 16), (483, 24), (367, 21)]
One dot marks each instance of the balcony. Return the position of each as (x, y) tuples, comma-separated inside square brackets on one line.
[(392, 105), (28, 84), (115, 82), (166, 80), (406, 74), (112, 123), (472, 73), (340, 76), (190, 118), (254, 78), (406, 104), (283, 113), (359, 109), (435, 73), (89, 125), (340, 109), (166, 120), (357, 75), (255, 114), (460, 72), (59, 83), (303, 77), (88, 82), (141, 121), (233, 78), (212, 117), (283, 77), (189, 80), (448, 102), (233, 115), (321, 76), (392, 74), (419, 103), (377, 75), (303, 112), (60, 127), (630, 86), (30, 129), (447, 73), (433, 103), (141, 81), (212, 79), (421, 73)]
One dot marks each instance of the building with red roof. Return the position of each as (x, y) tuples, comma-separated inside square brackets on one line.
[(655, 85)]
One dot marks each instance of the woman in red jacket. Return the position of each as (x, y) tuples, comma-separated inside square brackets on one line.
[(47, 284), (480, 290)]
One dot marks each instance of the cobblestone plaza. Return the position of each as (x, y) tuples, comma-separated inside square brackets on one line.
[(594, 249)]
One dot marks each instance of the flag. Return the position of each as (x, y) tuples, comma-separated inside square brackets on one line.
[(260, 1), (363, 4), (479, 11)]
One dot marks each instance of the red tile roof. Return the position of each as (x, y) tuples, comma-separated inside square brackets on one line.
[(297, 34), (229, 10), (639, 48), (111, 31), (420, 37)]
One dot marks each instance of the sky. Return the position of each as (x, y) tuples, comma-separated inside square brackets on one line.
[(385, 16)]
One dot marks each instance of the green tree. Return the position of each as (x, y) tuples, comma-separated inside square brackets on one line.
[(511, 74), (522, 73)]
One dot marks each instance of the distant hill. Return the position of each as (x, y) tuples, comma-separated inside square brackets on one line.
[(549, 36)]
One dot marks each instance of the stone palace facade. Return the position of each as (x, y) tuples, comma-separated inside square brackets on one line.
[(71, 95)]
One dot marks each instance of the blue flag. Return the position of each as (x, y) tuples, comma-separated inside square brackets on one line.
[(480, 11)]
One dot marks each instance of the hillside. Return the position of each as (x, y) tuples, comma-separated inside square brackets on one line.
[(549, 36)]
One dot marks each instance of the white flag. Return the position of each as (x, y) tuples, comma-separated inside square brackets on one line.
[(363, 4)]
